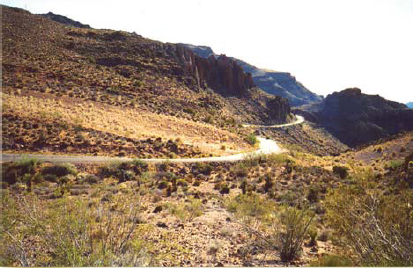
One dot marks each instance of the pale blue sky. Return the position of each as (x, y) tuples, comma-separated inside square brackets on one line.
[(328, 45)]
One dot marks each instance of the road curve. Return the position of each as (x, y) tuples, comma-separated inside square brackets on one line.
[(266, 146), (299, 120)]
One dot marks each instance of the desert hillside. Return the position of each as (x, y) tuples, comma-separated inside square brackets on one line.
[(113, 92), (118, 150)]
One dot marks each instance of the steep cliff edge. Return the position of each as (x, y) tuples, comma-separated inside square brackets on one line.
[(275, 83), (222, 74)]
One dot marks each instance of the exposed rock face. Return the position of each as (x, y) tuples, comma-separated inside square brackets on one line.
[(222, 74), (279, 109), (282, 84), (276, 83), (356, 118), (65, 20)]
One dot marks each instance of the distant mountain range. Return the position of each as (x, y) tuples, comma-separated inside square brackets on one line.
[(272, 82), (410, 105)]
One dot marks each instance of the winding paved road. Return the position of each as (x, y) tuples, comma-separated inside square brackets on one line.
[(266, 146), (299, 120)]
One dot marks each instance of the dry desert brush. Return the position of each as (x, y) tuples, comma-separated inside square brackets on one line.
[(375, 226), (72, 232)]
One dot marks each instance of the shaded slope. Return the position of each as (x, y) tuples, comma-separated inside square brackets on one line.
[(356, 118)]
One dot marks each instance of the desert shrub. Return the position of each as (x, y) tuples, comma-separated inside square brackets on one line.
[(11, 172), (268, 183), (123, 171), (312, 194), (139, 166), (332, 260), (244, 186), (164, 166), (279, 159), (91, 179), (341, 171), (70, 232), (394, 164), (240, 170), (279, 227), (204, 168), (189, 110), (324, 235), (181, 182), (296, 224), (376, 227), (224, 189), (163, 184), (187, 211), (60, 170), (251, 139), (313, 233), (248, 207)]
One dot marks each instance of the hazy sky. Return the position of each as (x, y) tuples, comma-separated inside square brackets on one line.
[(327, 45)]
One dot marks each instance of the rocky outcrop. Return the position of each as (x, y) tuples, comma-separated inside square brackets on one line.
[(65, 20), (276, 83), (356, 118), (279, 109), (222, 74)]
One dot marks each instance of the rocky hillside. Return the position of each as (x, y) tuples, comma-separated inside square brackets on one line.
[(276, 83), (356, 118), (65, 20), (127, 70)]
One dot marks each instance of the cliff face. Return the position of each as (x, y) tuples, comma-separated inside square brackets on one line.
[(221, 74), (275, 83), (279, 108), (356, 118)]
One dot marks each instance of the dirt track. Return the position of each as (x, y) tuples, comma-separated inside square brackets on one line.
[(266, 146)]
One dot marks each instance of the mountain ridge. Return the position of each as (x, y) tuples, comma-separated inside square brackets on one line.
[(272, 82), (65, 20)]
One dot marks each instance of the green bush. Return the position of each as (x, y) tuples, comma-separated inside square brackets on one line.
[(251, 139), (341, 171), (139, 166), (204, 168), (394, 164), (123, 171), (60, 170), (11, 172)]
